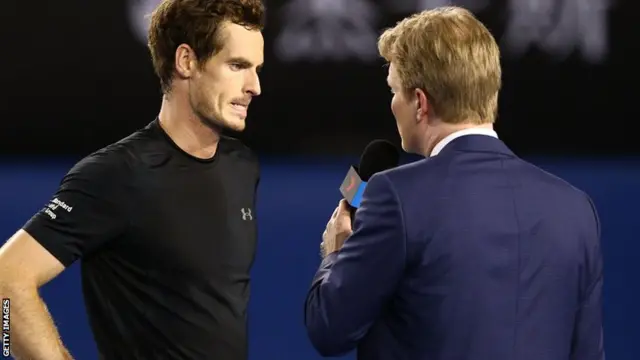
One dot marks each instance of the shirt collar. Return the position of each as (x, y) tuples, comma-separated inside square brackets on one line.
[(470, 131)]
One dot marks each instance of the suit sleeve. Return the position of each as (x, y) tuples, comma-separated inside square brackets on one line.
[(353, 285), (85, 212), (588, 342)]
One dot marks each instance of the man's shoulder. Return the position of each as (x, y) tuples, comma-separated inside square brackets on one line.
[(403, 179), (533, 171), (104, 166), (236, 148), (555, 185), (436, 171), (240, 155), (113, 160), (409, 170)]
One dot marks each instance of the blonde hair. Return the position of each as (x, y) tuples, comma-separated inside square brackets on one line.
[(452, 57)]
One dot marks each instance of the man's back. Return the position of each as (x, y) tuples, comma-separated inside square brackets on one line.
[(502, 258)]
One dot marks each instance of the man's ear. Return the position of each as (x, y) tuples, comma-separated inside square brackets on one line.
[(186, 61), (422, 104)]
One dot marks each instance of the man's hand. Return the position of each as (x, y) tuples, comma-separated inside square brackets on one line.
[(338, 229)]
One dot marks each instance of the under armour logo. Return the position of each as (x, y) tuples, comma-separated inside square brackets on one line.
[(246, 214)]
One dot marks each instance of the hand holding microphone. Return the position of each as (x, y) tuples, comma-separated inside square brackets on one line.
[(378, 156)]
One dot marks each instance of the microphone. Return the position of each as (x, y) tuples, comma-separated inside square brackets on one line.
[(378, 156)]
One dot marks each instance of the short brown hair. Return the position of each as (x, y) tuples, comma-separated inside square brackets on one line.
[(197, 24), (451, 56)]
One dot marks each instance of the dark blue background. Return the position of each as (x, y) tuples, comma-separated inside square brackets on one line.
[(295, 200)]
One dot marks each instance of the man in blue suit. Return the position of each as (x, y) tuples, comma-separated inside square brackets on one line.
[(471, 253)]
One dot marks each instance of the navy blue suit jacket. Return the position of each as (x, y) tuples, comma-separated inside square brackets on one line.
[(473, 254)]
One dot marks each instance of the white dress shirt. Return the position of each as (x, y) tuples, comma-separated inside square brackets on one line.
[(470, 131)]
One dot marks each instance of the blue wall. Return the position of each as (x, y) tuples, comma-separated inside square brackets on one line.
[(295, 201)]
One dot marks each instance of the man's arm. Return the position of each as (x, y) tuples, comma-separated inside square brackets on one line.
[(353, 285), (84, 213), (588, 341), (25, 266)]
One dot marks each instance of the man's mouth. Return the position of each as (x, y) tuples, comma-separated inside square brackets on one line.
[(239, 106)]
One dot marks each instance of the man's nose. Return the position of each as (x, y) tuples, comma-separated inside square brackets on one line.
[(253, 84)]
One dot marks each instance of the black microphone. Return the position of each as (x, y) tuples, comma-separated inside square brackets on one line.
[(378, 156)]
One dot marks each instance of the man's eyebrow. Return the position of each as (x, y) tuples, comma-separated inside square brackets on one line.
[(244, 62), (241, 61)]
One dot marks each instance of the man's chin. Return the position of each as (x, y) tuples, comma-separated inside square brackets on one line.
[(234, 125)]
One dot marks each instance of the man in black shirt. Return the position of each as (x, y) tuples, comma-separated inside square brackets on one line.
[(163, 221)]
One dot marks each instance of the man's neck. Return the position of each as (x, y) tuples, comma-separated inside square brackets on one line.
[(443, 130), (183, 126)]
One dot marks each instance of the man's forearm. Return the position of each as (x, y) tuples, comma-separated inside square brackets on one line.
[(33, 334)]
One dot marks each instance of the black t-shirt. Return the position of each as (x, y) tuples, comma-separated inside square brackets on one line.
[(166, 243)]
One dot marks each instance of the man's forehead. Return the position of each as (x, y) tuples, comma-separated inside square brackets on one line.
[(235, 34), (240, 42)]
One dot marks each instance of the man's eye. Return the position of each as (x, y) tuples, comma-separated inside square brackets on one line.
[(236, 66)]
